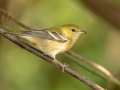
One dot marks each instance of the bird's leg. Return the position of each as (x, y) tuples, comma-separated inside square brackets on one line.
[(63, 66)]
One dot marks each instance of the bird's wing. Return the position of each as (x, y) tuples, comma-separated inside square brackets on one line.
[(45, 34)]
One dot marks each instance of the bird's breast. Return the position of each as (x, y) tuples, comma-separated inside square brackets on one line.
[(49, 47)]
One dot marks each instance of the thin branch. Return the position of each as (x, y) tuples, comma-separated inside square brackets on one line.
[(15, 39), (84, 65), (98, 68)]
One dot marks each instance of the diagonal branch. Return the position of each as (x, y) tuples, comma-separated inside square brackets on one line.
[(15, 39), (99, 69)]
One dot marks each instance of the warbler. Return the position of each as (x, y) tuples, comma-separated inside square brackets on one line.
[(55, 40), (51, 41)]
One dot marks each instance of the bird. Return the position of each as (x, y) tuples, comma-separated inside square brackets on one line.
[(52, 41), (55, 40)]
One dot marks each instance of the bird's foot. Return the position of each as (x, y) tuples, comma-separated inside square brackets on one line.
[(63, 66)]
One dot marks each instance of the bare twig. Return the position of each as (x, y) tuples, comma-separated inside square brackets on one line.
[(15, 39), (99, 68)]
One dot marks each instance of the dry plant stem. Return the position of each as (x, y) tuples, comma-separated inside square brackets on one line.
[(102, 70), (84, 65), (15, 39)]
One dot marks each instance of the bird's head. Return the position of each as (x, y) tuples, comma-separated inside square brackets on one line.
[(72, 32)]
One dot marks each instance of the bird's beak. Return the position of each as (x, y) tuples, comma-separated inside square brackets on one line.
[(83, 32)]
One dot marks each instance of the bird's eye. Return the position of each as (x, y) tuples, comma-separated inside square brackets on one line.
[(73, 30)]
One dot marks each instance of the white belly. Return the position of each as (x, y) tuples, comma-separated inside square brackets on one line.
[(52, 47)]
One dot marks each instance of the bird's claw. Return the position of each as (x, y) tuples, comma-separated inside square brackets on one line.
[(64, 66)]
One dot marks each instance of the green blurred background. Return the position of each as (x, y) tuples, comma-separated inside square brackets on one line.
[(20, 70)]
